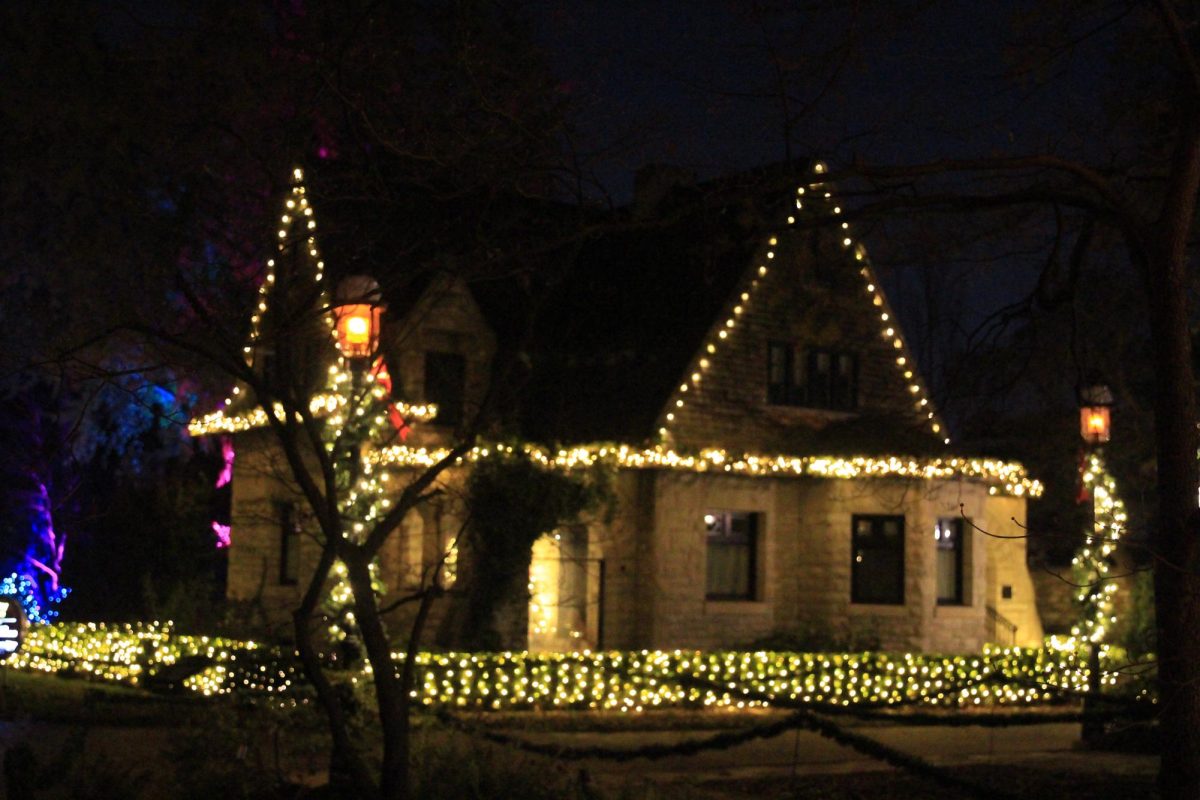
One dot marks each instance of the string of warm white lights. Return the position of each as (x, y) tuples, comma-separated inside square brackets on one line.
[(1002, 476), (624, 681), (727, 327), (1091, 562), (359, 418), (220, 421), (298, 226), (297, 209)]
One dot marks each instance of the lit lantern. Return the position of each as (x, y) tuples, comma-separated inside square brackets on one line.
[(1095, 413), (358, 313)]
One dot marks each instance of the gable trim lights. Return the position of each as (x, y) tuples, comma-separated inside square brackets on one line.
[(922, 404), (296, 220)]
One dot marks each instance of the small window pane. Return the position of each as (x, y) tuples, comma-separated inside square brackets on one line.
[(779, 373), (832, 380), (948, 539), (731, 555)]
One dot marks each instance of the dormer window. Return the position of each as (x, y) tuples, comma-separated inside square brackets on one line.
[(818, 378)]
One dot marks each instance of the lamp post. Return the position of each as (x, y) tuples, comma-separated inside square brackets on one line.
[(1095, 427), (357, 312)]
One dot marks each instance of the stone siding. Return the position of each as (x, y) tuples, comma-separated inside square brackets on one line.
[(445, 320), (804, 564), (811, 297)]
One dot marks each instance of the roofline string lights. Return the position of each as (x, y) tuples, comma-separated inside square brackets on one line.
[(294, 208), (889, 329), (320, 405), (1005, 477)]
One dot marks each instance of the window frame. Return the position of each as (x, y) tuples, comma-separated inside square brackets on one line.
[(781, 393), (754, 537), (835, 396), (958, 527), (857, 585), (803, 385)]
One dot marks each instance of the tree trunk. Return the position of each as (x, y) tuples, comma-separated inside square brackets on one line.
[(391, 698), (1174, 540), (1175, 535)]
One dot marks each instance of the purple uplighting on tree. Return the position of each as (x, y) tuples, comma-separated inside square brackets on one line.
[(220, 524)]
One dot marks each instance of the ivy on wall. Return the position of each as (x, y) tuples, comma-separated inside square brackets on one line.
[(511, 502)]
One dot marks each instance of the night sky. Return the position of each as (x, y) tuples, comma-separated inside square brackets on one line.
[(691, 84)]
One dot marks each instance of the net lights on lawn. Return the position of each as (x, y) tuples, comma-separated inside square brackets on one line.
[(1003, 476), (724, 329), (631, 681)]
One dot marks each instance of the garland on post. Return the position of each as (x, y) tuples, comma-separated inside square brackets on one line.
[(360, 420), (1092, 562)]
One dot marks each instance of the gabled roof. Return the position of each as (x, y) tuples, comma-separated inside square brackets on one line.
[(651, 300), (643, 305), (635, 318)]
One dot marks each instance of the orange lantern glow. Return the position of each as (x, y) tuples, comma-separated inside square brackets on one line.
[(357, 328), (357, 316), (1095, 414)]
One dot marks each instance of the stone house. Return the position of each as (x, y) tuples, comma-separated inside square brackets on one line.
[(781, 472)]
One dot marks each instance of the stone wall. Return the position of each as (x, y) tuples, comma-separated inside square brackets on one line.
[(1009, 582), (262, 486), (656, 596), (654, 551)]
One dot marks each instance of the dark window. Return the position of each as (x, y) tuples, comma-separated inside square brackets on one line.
[(877, 560), (445, 380), (289, 544), (948, 538), (732, 544), (832, 380), (780, 373)]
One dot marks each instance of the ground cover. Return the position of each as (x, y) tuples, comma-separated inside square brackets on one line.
[(252, 745), (241, 722), (1007, 780)]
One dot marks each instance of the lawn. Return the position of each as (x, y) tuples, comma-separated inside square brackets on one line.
[(195, 747), (53, 698)]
